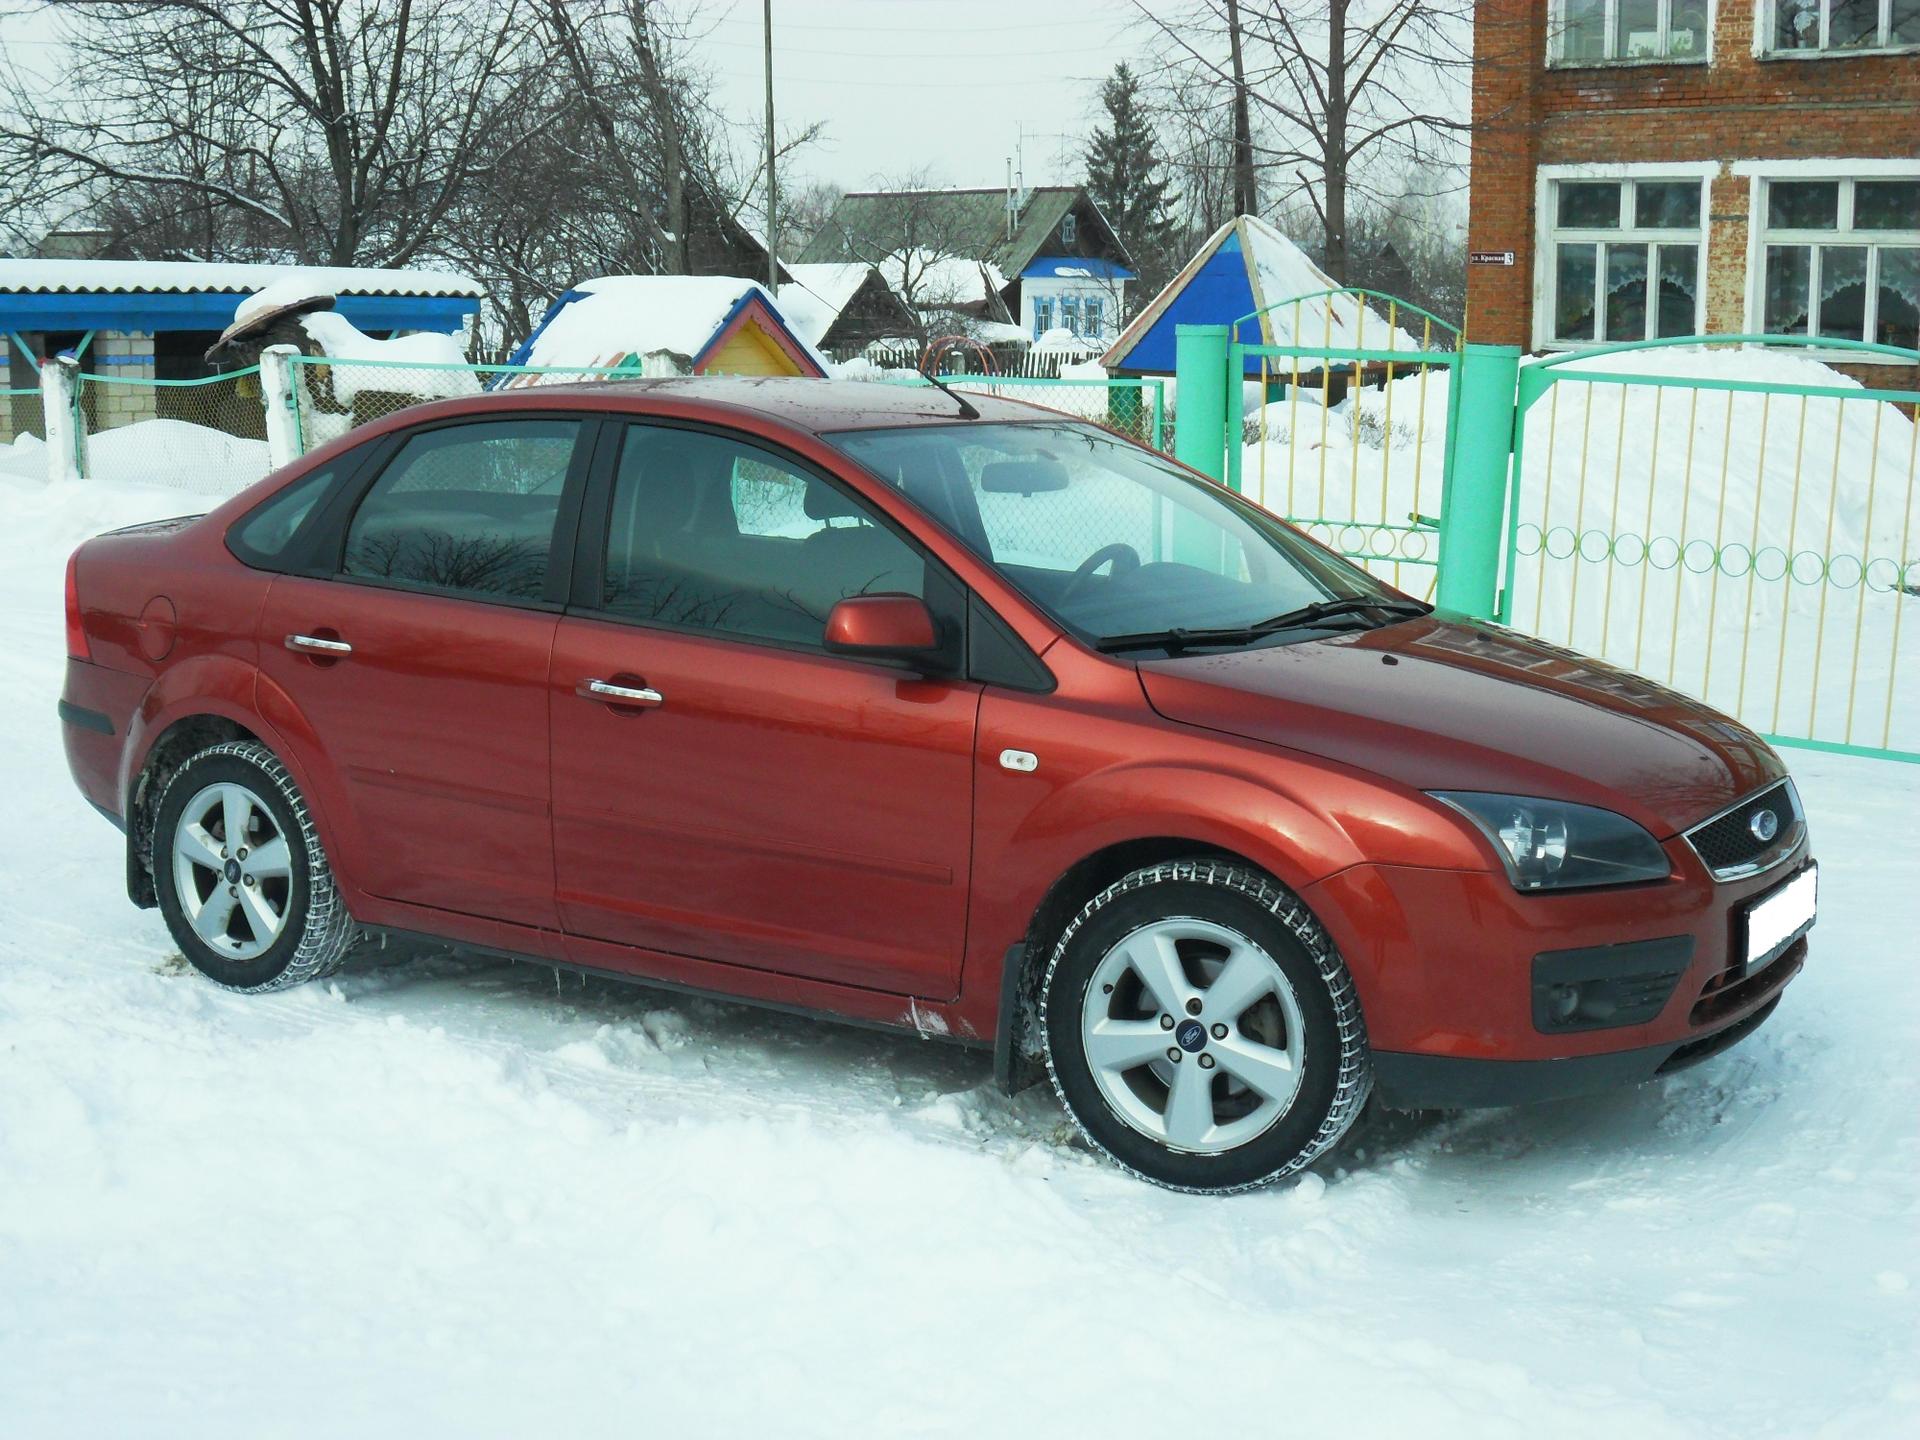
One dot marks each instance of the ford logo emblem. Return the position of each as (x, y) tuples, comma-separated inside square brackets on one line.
[(1764, 825)]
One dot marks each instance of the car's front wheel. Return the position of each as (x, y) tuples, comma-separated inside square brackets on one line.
[(240, 874), (1202, 1030)]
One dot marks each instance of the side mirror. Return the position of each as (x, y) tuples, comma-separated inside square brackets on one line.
[(882, 627)]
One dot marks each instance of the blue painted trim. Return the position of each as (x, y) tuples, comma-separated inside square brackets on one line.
[(121, 360), (770, 311), (20, 350), (147, 313)]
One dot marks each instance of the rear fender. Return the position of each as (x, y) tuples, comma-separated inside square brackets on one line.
[(230, 689)]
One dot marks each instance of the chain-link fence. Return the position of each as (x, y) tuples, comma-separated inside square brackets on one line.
[(217, 435), (331, 397), (23, 432), (206, 435)]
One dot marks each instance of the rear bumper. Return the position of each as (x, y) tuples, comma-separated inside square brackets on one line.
[(1405, 1081), (95, 706)]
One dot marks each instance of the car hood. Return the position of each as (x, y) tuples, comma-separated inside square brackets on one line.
[(1444, 703)]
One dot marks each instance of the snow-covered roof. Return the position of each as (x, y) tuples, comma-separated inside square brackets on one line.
[(817, 294), (187, 277), (941, 279), (605, 321), (1249, 269)]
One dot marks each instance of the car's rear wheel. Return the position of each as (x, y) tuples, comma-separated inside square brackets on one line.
[(1202, 1030), (240, 873)]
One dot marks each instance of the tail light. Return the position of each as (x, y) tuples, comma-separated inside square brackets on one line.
[(76, 632)]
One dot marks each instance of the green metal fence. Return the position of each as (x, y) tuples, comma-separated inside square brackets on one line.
[(1744, 527), (1744, 534), (1350, 426)]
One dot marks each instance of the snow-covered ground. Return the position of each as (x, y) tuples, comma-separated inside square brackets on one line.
[(439, 1197)]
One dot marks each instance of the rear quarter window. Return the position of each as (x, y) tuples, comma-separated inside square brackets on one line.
[(263, 538)]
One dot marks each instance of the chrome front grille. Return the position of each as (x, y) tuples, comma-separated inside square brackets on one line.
[(1732, 846)]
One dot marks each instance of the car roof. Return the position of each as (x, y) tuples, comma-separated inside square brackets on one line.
[(800, 402)]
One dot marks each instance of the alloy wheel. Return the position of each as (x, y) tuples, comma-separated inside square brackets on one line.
[(233, 871), (1193, 1035)]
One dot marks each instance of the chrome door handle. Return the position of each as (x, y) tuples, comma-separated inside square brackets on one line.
[(622, 694), (314, 645)]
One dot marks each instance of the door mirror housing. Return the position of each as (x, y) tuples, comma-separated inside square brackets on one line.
[(883, 627)]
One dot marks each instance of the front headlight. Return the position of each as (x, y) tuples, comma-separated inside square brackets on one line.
[(1555, 845)]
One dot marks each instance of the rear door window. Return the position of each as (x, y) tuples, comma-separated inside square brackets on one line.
[(468, 509)]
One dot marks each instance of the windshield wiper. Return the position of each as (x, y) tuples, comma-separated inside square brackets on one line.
[(1348, 605), (1177, 638)]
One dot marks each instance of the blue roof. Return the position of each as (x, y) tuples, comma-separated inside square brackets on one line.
[(1075, 267), (1218, 293)]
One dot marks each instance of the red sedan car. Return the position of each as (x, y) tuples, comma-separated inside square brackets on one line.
[(958, 716)]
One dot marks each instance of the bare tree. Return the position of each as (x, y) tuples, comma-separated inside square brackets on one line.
[(1349, 90), (929, 250), (335, 131)]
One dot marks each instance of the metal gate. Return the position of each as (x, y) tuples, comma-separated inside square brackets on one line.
[(1353, 408), (1743, 533)]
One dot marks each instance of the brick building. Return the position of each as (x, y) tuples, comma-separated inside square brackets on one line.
[(1673, 167)]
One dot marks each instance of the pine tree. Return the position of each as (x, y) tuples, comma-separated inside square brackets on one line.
[(1126, 179)]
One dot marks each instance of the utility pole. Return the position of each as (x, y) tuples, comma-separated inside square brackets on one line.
[(1246, 200), (773, 185)]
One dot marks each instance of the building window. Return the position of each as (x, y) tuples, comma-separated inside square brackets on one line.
[(1841, 26), (1842, 260), (1069, 228), (1093, 315), (1625, 258), (1042, 315), (1602, 32)]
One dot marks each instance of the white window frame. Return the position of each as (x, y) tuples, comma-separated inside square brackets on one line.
[(1760, 175), (1766, 27), (1546, 207), (1556, 29)]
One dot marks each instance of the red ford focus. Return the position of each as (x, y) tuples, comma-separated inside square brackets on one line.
[(960, 717)]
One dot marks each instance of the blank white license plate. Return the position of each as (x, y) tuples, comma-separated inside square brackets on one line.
[(1776, 920)]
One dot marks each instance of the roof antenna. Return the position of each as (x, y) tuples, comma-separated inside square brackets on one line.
[(967, 412)]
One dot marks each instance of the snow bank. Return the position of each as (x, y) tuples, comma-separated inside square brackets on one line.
[(173, 455), (437, 1197)]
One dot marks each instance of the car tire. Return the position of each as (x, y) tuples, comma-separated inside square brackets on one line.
[(253, 917), (1262, 1086)]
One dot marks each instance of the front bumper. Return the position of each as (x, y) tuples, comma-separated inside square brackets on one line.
[(1439, 1082), (1445, 966)]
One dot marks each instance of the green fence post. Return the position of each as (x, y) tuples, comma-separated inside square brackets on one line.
[(1473, 509), (1200, 398)]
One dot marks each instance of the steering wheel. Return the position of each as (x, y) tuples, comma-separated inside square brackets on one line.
[(1123, 556)]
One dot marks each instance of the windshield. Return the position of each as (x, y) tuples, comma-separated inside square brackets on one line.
[(1115, 543)]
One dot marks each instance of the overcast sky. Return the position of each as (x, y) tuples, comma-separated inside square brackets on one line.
[(906, 83)]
